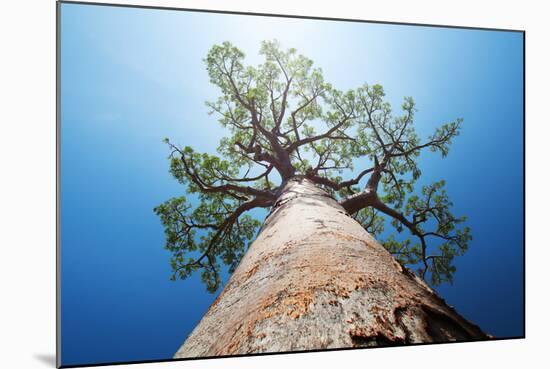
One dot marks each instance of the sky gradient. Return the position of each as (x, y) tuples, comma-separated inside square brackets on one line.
[(131, 77)]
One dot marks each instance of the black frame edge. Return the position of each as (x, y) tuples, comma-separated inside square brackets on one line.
[(236, 12)]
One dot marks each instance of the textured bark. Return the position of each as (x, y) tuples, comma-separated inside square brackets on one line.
[(315, 279)]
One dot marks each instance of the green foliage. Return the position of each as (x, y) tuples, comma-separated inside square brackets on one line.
[(370, 219), (405, 251), (211, 169), (434, 224), (199, 238), (283, 119)]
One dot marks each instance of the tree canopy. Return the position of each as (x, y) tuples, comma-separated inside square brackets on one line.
[(284, 120)]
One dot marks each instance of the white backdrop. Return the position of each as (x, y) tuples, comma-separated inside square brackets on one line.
[(27, 184)]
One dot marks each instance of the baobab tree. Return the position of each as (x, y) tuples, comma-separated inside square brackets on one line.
[(312, 275)]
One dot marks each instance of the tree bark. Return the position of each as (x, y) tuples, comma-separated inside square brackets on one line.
[(315, 279)]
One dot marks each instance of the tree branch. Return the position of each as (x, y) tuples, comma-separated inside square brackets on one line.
[(379, 205), (231, 219), (327, 134), (193, 175), (337, 185)]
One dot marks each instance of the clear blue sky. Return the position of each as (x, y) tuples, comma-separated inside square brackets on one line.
[(130, 77)]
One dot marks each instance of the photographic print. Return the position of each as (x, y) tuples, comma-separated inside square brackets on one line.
[(239, 184)]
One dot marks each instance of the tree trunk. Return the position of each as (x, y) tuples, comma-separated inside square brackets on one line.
[(315, 279)]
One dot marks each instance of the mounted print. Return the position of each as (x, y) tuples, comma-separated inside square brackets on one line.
[(240, 184)]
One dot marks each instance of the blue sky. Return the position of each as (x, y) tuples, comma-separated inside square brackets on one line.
[(130, 77)]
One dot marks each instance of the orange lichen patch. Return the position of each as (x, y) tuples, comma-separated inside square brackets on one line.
[(251, 271), (361, 282), (337, 290), (375, 309), (293, 304), (298, 303), (234, 342), (267, 309), (361, 332), (231, 348)]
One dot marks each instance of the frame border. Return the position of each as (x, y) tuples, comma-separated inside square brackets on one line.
[(58, 184), (58, 118)]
